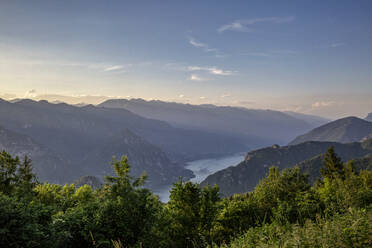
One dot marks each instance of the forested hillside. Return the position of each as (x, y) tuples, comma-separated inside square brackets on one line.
[(244, 176), (284, 210)]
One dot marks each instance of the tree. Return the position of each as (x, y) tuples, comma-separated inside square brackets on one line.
[(208, 210), (333, 166), (127, 211), (123, 183), (23, 224), (16, 177), (26, 179), (193, 211), (238, 214), (8, 172)]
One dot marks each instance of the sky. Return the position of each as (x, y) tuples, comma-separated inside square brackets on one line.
[(313, 57)]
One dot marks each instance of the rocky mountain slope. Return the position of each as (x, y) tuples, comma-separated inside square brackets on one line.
[(349, 129), (142, 156), (244, 176), (47, 165)]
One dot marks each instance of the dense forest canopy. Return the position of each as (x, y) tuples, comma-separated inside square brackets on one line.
[(284, 210)]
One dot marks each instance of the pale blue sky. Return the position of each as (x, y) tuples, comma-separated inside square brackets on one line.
[(308, 56)]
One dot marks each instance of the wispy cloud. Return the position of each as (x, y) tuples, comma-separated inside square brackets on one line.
[(195, 77), (103, 67), (195, 43), (339, 44), (217, 71), (225, 95), (205, 47), (30, 94), (322, 104), (198, 44), (114, 68), (245, 25), (212, 70), (200, 73)]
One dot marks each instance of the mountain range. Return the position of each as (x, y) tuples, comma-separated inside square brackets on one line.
[(67, 142), (255, 128), (88, 137)]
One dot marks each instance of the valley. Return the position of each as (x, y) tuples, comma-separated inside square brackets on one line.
[(202, 169), (154, 136), (185, 124)]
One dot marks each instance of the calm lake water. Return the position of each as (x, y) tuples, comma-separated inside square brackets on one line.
[(202, 169)]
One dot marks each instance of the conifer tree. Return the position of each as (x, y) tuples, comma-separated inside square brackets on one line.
[(333, 166)]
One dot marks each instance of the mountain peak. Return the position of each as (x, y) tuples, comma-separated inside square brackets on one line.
[(344, 130), (24, 101)]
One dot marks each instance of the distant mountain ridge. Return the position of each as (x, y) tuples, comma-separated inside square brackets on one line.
[(257, 128), (244, 176), (92, 121), (313, 120), (349, 129)]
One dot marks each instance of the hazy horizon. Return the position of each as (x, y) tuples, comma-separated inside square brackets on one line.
[(307, 57), (96, 100)]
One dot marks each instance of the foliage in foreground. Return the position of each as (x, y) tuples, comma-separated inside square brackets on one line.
[(353, 229), (284, 210)]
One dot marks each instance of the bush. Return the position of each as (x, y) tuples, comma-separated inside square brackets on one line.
[(351, 230)]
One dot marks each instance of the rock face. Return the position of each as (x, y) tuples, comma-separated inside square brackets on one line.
[(87, 138), (349, 129), (256, 128), (244, 176)]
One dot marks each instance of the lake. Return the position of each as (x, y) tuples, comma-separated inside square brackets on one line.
[(202, 169)]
